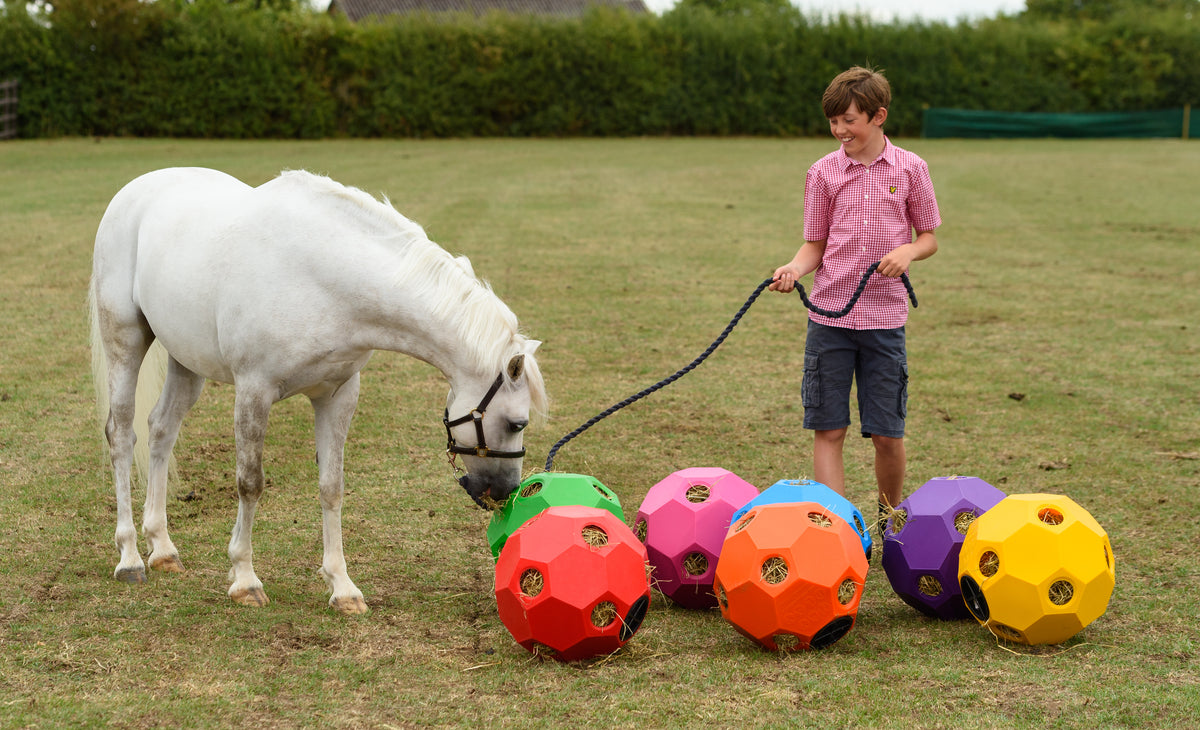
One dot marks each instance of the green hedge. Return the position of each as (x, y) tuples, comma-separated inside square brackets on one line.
[(215, 69)]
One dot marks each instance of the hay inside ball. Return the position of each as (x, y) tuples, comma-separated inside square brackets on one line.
[(1036, 569), (571, 583), (549, 489), (682, 522), (806, 490), (922, 539), (788, 581)]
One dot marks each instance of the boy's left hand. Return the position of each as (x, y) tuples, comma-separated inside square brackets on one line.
[(896, 262)]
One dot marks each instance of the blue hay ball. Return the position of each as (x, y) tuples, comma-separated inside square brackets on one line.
[(806, 490)]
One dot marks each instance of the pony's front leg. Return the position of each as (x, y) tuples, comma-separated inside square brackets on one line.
[(251, 411), (180, 392), (333, 415)]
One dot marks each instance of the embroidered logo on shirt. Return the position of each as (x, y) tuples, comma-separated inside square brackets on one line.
[(892, 190)]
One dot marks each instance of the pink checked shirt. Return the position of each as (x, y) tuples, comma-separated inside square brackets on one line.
[(862, 213)]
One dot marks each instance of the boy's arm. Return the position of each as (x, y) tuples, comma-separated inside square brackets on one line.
[(806, 260), (898, 259)]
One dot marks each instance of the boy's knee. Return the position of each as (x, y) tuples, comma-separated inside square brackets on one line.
[(887, 444), (833, 436)]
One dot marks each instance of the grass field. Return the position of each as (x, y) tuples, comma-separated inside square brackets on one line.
[(1069, 273)]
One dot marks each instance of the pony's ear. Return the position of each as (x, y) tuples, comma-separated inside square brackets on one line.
[(531, 346), (516, 366)]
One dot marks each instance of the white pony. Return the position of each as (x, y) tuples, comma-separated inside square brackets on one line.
[(287, 289)]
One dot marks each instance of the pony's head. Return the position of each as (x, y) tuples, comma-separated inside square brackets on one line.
[(485, 422)]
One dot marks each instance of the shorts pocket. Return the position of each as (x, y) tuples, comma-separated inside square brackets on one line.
[(810, 388), (902, 396)]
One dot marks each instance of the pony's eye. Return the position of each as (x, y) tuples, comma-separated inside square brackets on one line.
[(517, 426)]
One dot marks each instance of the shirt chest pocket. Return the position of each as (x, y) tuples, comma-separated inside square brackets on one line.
[(894, 195)]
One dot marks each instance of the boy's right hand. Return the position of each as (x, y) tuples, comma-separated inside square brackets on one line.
[(784, 279)]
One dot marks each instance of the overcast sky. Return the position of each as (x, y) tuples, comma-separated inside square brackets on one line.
[(887, 10)]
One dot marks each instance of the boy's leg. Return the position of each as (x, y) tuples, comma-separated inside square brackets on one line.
[(889, 469), (829, 360), (883, 407), (828, 468)]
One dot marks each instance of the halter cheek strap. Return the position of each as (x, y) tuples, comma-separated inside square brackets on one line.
[(476, 415)]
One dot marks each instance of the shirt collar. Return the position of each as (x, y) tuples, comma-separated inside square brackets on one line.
[(888, 155)]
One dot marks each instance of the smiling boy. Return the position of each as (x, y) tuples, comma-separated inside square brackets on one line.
[(862, 204)]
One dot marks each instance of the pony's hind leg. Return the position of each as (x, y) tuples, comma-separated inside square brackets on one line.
[(124, 357), (180, 392), (251, 411), (333, 414)]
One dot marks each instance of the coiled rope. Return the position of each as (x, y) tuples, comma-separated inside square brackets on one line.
[(862, 284)]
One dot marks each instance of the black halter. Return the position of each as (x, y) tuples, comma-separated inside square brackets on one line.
[(476, 415)]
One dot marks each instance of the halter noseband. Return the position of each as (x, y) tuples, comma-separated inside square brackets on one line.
[(476, 415)]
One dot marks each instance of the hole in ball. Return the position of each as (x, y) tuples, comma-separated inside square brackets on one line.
[(639, 530), (532, 582), (1061, 592), (695, 564), (744, 522), (846, 592), (963, 520), (929, 585), (819, 519), (774, 570), (989, 564), (697, 493), (604, 614), (897, 520), (1050, 515), (594, 536), (531, 489)]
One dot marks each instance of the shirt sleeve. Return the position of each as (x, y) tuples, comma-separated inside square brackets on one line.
[(817, 206), (922, 203)]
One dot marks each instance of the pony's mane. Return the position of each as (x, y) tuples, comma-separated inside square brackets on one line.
[(488, 327)]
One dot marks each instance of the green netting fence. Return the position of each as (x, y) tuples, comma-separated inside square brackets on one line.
[(969, 123)]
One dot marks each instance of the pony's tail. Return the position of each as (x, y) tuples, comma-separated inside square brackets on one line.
[(150, 382)]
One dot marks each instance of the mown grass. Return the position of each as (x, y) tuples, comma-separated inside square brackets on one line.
[(1068, 274)]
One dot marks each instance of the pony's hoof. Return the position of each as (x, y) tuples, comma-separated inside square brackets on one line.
[(167, 564), (250, 597), (349, 605), (131, 575)]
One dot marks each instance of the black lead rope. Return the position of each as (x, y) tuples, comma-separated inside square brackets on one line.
[(862, 284)]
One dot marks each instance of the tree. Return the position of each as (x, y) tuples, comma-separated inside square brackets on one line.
[(739, 7), (1101, 9)]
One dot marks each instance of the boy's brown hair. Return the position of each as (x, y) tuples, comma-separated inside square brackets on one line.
[(867, 88)]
